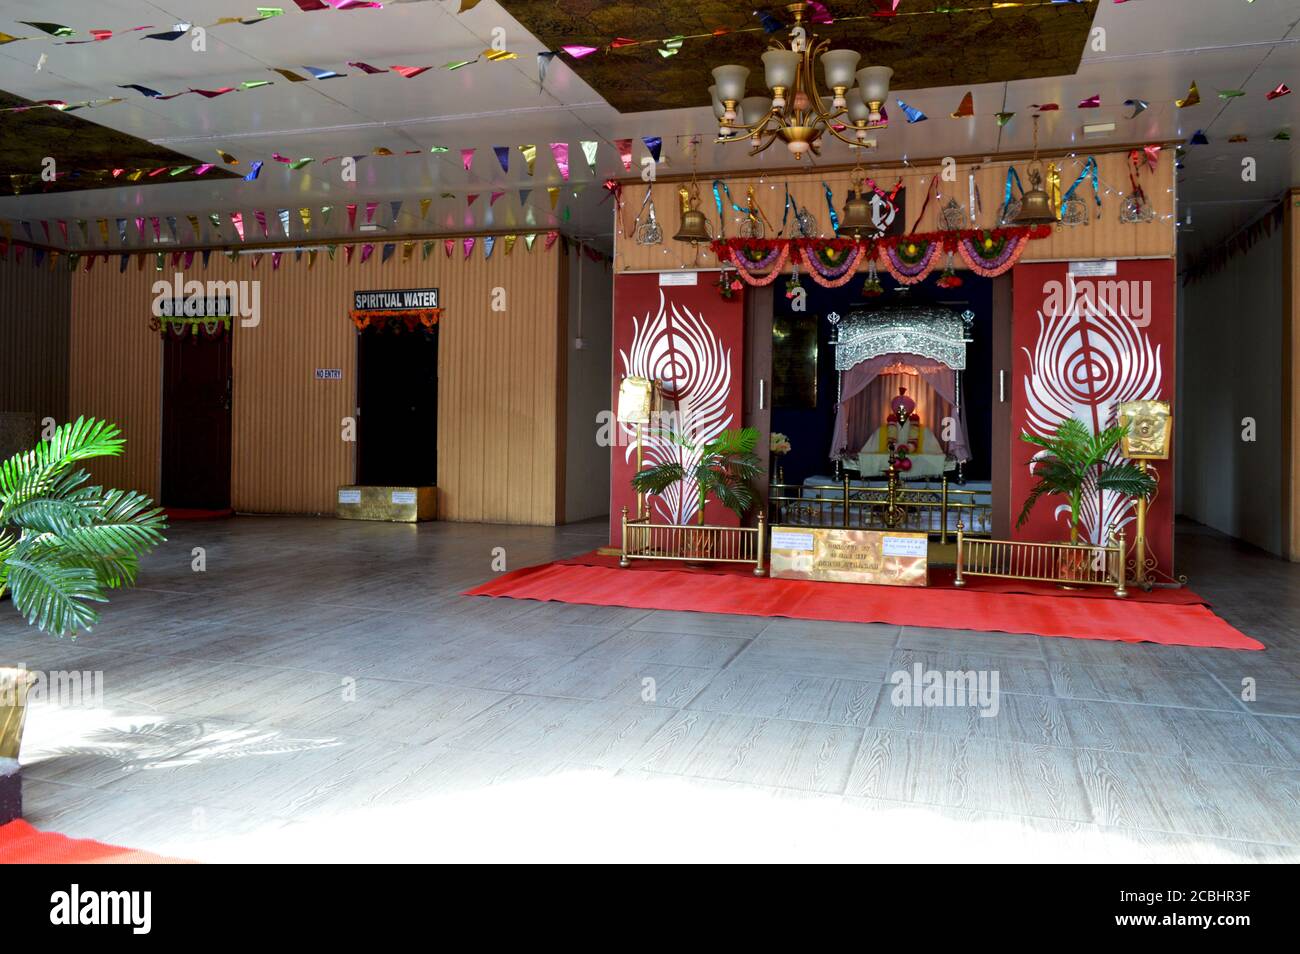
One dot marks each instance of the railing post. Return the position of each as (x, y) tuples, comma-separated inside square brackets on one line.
[(762, 545), (1121, 557), (959, 581), (623, 561), (943, 513), (844, 512)]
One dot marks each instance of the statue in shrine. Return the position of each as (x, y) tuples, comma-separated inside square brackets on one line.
[(903, 443)]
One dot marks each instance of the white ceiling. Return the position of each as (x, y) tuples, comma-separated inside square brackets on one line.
[(1154, 49)]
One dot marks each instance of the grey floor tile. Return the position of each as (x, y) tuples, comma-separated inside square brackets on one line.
[(1000, 716), (672, 649), (965, 640), (705, 624), (774, 752), (866, 635), (1143, 684), (956, 772), (863, 663), (785, 695), (622, 680), (1014, 673)]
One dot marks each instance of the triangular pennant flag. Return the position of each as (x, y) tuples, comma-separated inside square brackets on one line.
[(425, 249), (195, 227), (275, 261), (510, 243), (469, 245), (530, 156), (424, 208), (370, 211), (469, 199), (624, 147), (171, 227), (352, 216), (495, 196), (311, 259), (407, 249), (305, 214), (103, 230), (366, 251), (550, 239), (448, 245), (654, 144), (1281, 89), (253, 171), (489, 243), (467, 158), (560, 150), (207, 254), (913, 114), (589, 150), (966, 107), (260, 216), (523, 196), (529, 239), (255, 260), (347, 254), (1092, 102), (121, 264), (139, 227), (63, 230), (387, 252), (1004, 118), (215, 219), (554, 193), (1138, 105), (1231, 93), (283, 215), (189, 258), (237, 220), (503, 157), (325, 211), (156, 225), (1192, 98), (396, 209)]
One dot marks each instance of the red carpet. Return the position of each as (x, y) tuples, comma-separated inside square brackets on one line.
[(21, 844), (985, 605)]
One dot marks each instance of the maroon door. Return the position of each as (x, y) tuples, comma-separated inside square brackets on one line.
[(196, 421)]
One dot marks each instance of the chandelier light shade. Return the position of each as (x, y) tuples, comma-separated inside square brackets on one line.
[(799, 114)]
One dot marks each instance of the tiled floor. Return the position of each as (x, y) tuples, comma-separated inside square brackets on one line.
[(321, 692)]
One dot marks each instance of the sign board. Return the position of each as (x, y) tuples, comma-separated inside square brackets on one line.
[(349, 496), (679, 278), (835, 555), (329, 374), (194, 307), (1095, 268), (402, 497), (410, 299)]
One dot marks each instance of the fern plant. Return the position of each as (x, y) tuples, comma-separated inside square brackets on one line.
[(724, 467), (1073, 460), (63, 541)]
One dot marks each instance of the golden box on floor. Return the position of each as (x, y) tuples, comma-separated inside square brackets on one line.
[(831, 555), (401, 504)]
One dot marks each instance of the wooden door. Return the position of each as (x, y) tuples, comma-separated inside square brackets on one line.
[(196, 420)]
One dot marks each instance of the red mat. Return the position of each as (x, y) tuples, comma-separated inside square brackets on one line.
[(21, 844), (1142, 618)]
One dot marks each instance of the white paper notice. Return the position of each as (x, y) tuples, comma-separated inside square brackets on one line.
[(904, 546), (349, 496), (790, 540), (1095, 268), (403, 496)]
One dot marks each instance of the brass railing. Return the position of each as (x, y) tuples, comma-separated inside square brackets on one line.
[(892, 507), (697, 543), (1070, 564)]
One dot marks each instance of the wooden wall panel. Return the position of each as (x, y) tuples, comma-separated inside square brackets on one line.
[(34, 315), (498, 392), (1104, 237)]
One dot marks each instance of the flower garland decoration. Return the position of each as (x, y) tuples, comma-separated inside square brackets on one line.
[(727, 284), (949, 278), (992, 253), (754, 256), (912, 260), (832, 267)]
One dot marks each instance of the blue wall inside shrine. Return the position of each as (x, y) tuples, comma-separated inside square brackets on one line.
[(810, 428)]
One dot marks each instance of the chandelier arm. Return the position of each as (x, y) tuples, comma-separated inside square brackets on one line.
[(773, 137), (845, 139)]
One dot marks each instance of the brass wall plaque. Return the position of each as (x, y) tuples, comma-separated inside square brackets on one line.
[(398, 504), (635, 398), (1150, 429), (834, 555)]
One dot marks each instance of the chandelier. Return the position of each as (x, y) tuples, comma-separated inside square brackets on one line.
[(797, 113)]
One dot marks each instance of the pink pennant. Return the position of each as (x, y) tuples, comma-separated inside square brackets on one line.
[(495, 196), (467, 158), (366, 251), (237, 220), (469, 245), (550, 240), (347, 253), (560, 150), (448, 245), (139, 226), (470, 199), (1046, 107), (203, 167), (257, 260), (409, 72), (1281, 89), (1092, 102), (624, 147), (366, 67), (189, 258), (63, 230), (275, 261), (577, 51), (213, 93), (157, 227), (370, 211), (279, 158), (352, 216)]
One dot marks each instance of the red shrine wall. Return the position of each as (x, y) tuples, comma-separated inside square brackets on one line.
[(1080, 346), (690, 338)]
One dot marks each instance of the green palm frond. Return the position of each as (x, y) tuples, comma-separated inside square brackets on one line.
[(52, 594), (657, 479), (1128, 480)]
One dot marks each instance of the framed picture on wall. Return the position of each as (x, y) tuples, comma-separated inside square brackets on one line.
[(794, 361)]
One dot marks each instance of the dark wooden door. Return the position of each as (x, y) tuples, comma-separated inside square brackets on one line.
[(1000, 433), (397, 396), (196, 421)]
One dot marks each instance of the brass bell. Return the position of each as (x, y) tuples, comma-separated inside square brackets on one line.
[(1036, 204), (856, 221), (695, 228)]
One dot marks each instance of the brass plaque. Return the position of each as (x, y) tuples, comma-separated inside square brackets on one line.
[(832, 555), (1150, 429), (635, 395), (398, 504)]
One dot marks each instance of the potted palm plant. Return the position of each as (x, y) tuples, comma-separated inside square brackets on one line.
[(723, 468), (1073, 460), (63, 543)]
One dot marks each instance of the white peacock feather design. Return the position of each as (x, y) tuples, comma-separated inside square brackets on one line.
[(679, 349), (1088, 359)]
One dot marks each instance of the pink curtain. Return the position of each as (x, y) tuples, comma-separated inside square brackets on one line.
[(866, 392)]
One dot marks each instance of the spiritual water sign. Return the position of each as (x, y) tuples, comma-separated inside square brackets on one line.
[(835, 555), (410, 299)]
